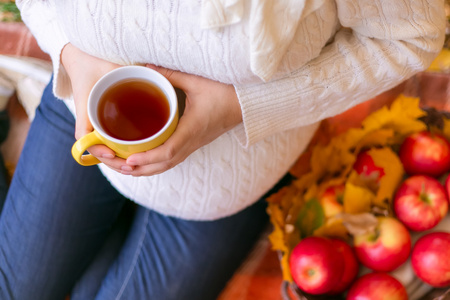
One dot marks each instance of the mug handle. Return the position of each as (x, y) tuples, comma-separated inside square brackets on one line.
[(80, 146)]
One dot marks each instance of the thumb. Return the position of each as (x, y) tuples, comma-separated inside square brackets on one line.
[(82, 125), (176, 78)]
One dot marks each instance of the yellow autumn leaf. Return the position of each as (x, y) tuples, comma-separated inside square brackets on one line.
[(357, 199), (402, 117), (284, 199), (311, 192), (302, 183), (407, 106), (348, 158), (406, 114), (349, 139), (325, 160), (284, 236), (283, 208), (376, 138), (333, 227), (387, 159), (441, 62), (337, 154), (276, 240), (446, 129), (285, 269), (377, 119)]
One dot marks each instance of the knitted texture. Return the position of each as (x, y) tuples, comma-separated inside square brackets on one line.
[(343, 53)]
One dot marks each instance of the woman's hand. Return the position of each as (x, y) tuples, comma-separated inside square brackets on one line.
[(212, 108), (84, 71)]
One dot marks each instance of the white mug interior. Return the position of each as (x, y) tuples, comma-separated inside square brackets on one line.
[(126, 73)]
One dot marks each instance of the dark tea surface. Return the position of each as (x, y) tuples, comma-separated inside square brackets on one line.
[(133, 109)]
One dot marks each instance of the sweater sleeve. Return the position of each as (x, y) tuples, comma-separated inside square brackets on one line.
[(381, 43), (42, 20)]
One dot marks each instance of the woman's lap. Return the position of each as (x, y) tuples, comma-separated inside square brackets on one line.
[(168, 258)]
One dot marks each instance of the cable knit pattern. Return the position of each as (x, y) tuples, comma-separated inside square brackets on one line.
[(209, 186), (341, 54)]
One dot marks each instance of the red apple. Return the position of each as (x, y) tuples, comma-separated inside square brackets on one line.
[(420, 202), (377, 286), (447, 186), (331, 200), (386, 248), (425, 153), (351, 266), (315, 264), (365, 167), (430, 259)]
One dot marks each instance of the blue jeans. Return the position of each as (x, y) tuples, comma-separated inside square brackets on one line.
[(65, 230)]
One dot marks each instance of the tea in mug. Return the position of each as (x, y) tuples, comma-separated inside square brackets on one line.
[(133, 109)]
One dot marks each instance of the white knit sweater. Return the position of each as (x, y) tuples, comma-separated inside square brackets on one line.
[(339, 54)]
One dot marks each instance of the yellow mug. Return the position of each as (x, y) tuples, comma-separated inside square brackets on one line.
[(124, 148)]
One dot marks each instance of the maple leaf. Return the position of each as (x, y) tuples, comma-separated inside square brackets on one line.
[(376, 138), (284, 236), (393, 175), (357, 199), (402, 117)]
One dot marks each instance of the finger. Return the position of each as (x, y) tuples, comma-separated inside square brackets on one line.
[(160, 154), (125, 171), (116, 163), (172, 152), (154, 161), (114, 169), (148, 170), (101, 151)]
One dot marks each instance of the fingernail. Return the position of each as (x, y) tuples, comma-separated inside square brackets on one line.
[(108, 155), (126, 168)]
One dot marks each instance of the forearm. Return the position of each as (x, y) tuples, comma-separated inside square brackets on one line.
[(380, 52)]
